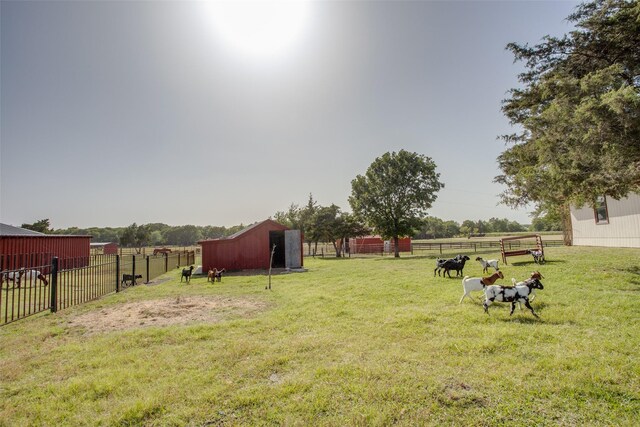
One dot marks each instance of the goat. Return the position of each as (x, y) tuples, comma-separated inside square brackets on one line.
[(33, 275), (478, 283), (538, 256), (12, 276), (457, 265), (488, 263), (17, 276), (130, 279), (440, 262), (534, 275), (511, 294), (186, 272), (214, 274)]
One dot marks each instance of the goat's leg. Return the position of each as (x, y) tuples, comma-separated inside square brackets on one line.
[(486, 305), (526, 303), (513, 307)]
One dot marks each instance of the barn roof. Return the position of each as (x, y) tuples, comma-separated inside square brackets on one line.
[(249, 229), (10, 230)]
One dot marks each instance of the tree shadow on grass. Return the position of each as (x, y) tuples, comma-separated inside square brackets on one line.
[(531, 263), (634, 281)]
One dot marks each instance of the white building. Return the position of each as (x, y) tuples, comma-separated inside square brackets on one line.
[(611, 222)]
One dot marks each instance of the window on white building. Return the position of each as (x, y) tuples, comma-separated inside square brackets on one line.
[(600, 210)]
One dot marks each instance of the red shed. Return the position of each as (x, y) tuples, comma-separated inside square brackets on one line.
[(106, 248), (21, 248), (250, 248), (375, 244)]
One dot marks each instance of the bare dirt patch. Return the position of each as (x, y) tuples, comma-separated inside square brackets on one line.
[(164, 312)]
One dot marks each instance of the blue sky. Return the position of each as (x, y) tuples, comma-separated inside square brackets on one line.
[(121, 112)]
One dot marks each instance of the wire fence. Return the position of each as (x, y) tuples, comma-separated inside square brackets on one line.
[(435, 249)]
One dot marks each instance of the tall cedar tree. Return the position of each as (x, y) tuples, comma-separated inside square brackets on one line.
[(579, 114)]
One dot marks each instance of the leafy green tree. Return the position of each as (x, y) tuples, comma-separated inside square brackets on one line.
[(579, 114), (42, 226), (546, 223), (468, 227), (348, 225), (306, 218), (451, 228), (184, 235), (292, 218), (432, 228), (324, 225), (135, 236), (395, 192)]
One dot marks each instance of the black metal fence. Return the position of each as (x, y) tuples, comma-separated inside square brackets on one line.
[(58, 284)]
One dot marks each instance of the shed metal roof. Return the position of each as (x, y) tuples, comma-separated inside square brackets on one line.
[(10, 230)]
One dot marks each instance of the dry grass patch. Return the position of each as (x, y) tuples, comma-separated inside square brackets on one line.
[(165, 312)]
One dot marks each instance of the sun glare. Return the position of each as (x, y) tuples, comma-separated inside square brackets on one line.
[(258, 29)]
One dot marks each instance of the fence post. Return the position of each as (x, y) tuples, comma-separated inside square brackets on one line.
[(54, 284), (133, 273), (166, 262), (117, 273), (147, 269)]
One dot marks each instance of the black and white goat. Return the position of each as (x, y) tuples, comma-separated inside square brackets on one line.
[(512, 294), (534, 275), (538, 256), (452, 264), (186, 273), (30, 275), (488, 263)]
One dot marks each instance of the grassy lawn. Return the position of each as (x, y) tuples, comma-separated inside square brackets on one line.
[(366, 341)]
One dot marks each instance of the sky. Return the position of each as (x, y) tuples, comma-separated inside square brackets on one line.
[(179, 112)]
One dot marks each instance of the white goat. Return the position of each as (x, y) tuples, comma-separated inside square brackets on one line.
[(478, 283), (488, 263)]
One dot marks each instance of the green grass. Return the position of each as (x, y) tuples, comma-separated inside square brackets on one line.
[(366, 341)]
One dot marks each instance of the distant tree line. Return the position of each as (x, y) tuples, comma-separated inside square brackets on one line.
[(134, 235)]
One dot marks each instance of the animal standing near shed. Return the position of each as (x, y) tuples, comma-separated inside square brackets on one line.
[(186, 274), (214, 274)]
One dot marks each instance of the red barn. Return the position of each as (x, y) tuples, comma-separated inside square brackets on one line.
[(106, 248), (22, 248), (375, 244), (250, 248)]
